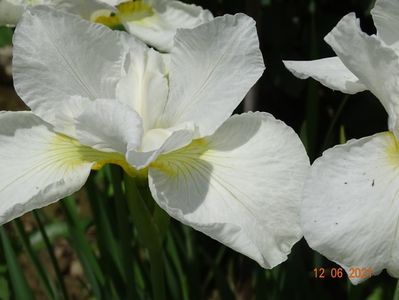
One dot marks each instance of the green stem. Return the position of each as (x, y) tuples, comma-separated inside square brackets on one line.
[(157, 273), (19, 284), (312, 101), (108, 247), (149, 235), (174, 257), (83, 249), (124, 231), (162, 220), (44, 279), (327, 140), (50, 251)]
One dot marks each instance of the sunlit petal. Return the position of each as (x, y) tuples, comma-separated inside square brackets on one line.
[(155, 22), (372, 61), (242, 186), (38, 165), (330, 72), (386, 19), (212, 68), (350, 212), (52, 62)]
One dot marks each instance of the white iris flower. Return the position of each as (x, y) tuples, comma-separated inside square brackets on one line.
[(11, 10), (350, 212), (100, 96), (153, 21), (334, 72)]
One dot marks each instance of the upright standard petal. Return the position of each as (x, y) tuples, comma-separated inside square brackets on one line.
[(349, 211), (386, 19), (38, 166), (212, 66), (372, 61), (241, 186), (145, 86), (330, 72), (52, 62), (155, 21)]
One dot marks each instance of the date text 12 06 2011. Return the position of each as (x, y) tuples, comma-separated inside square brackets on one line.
[(358, 273)]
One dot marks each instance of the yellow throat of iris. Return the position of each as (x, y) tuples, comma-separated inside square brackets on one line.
[(66, 150), (135, 10), (178, 161)]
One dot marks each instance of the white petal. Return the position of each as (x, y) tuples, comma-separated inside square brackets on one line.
[(110, 126), (350, 212), (66, 114), (83, 8), (212, 66), (330, 72), (386, 19), (241, 186), (145, 86), (130, 44), (58, 55), (371, 60), (112, 2), (157, 27), (10, 12), (38, 166), (158, 141)]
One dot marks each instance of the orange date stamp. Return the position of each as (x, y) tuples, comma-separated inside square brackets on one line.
[(353, 273)]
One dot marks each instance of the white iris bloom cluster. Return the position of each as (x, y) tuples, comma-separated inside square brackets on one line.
[(100, 96)]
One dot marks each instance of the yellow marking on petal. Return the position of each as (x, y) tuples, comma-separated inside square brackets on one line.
[(393, 148), (106, 17), (134, 10), (169, 163), (69, 151), (111, 21), (130, 11)]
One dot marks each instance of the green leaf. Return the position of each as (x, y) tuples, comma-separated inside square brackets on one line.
[(4, 288), (148, 234), (5, 36), (37, 265), (85, 253), (38, 216), (377, 294), (19, 284)]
